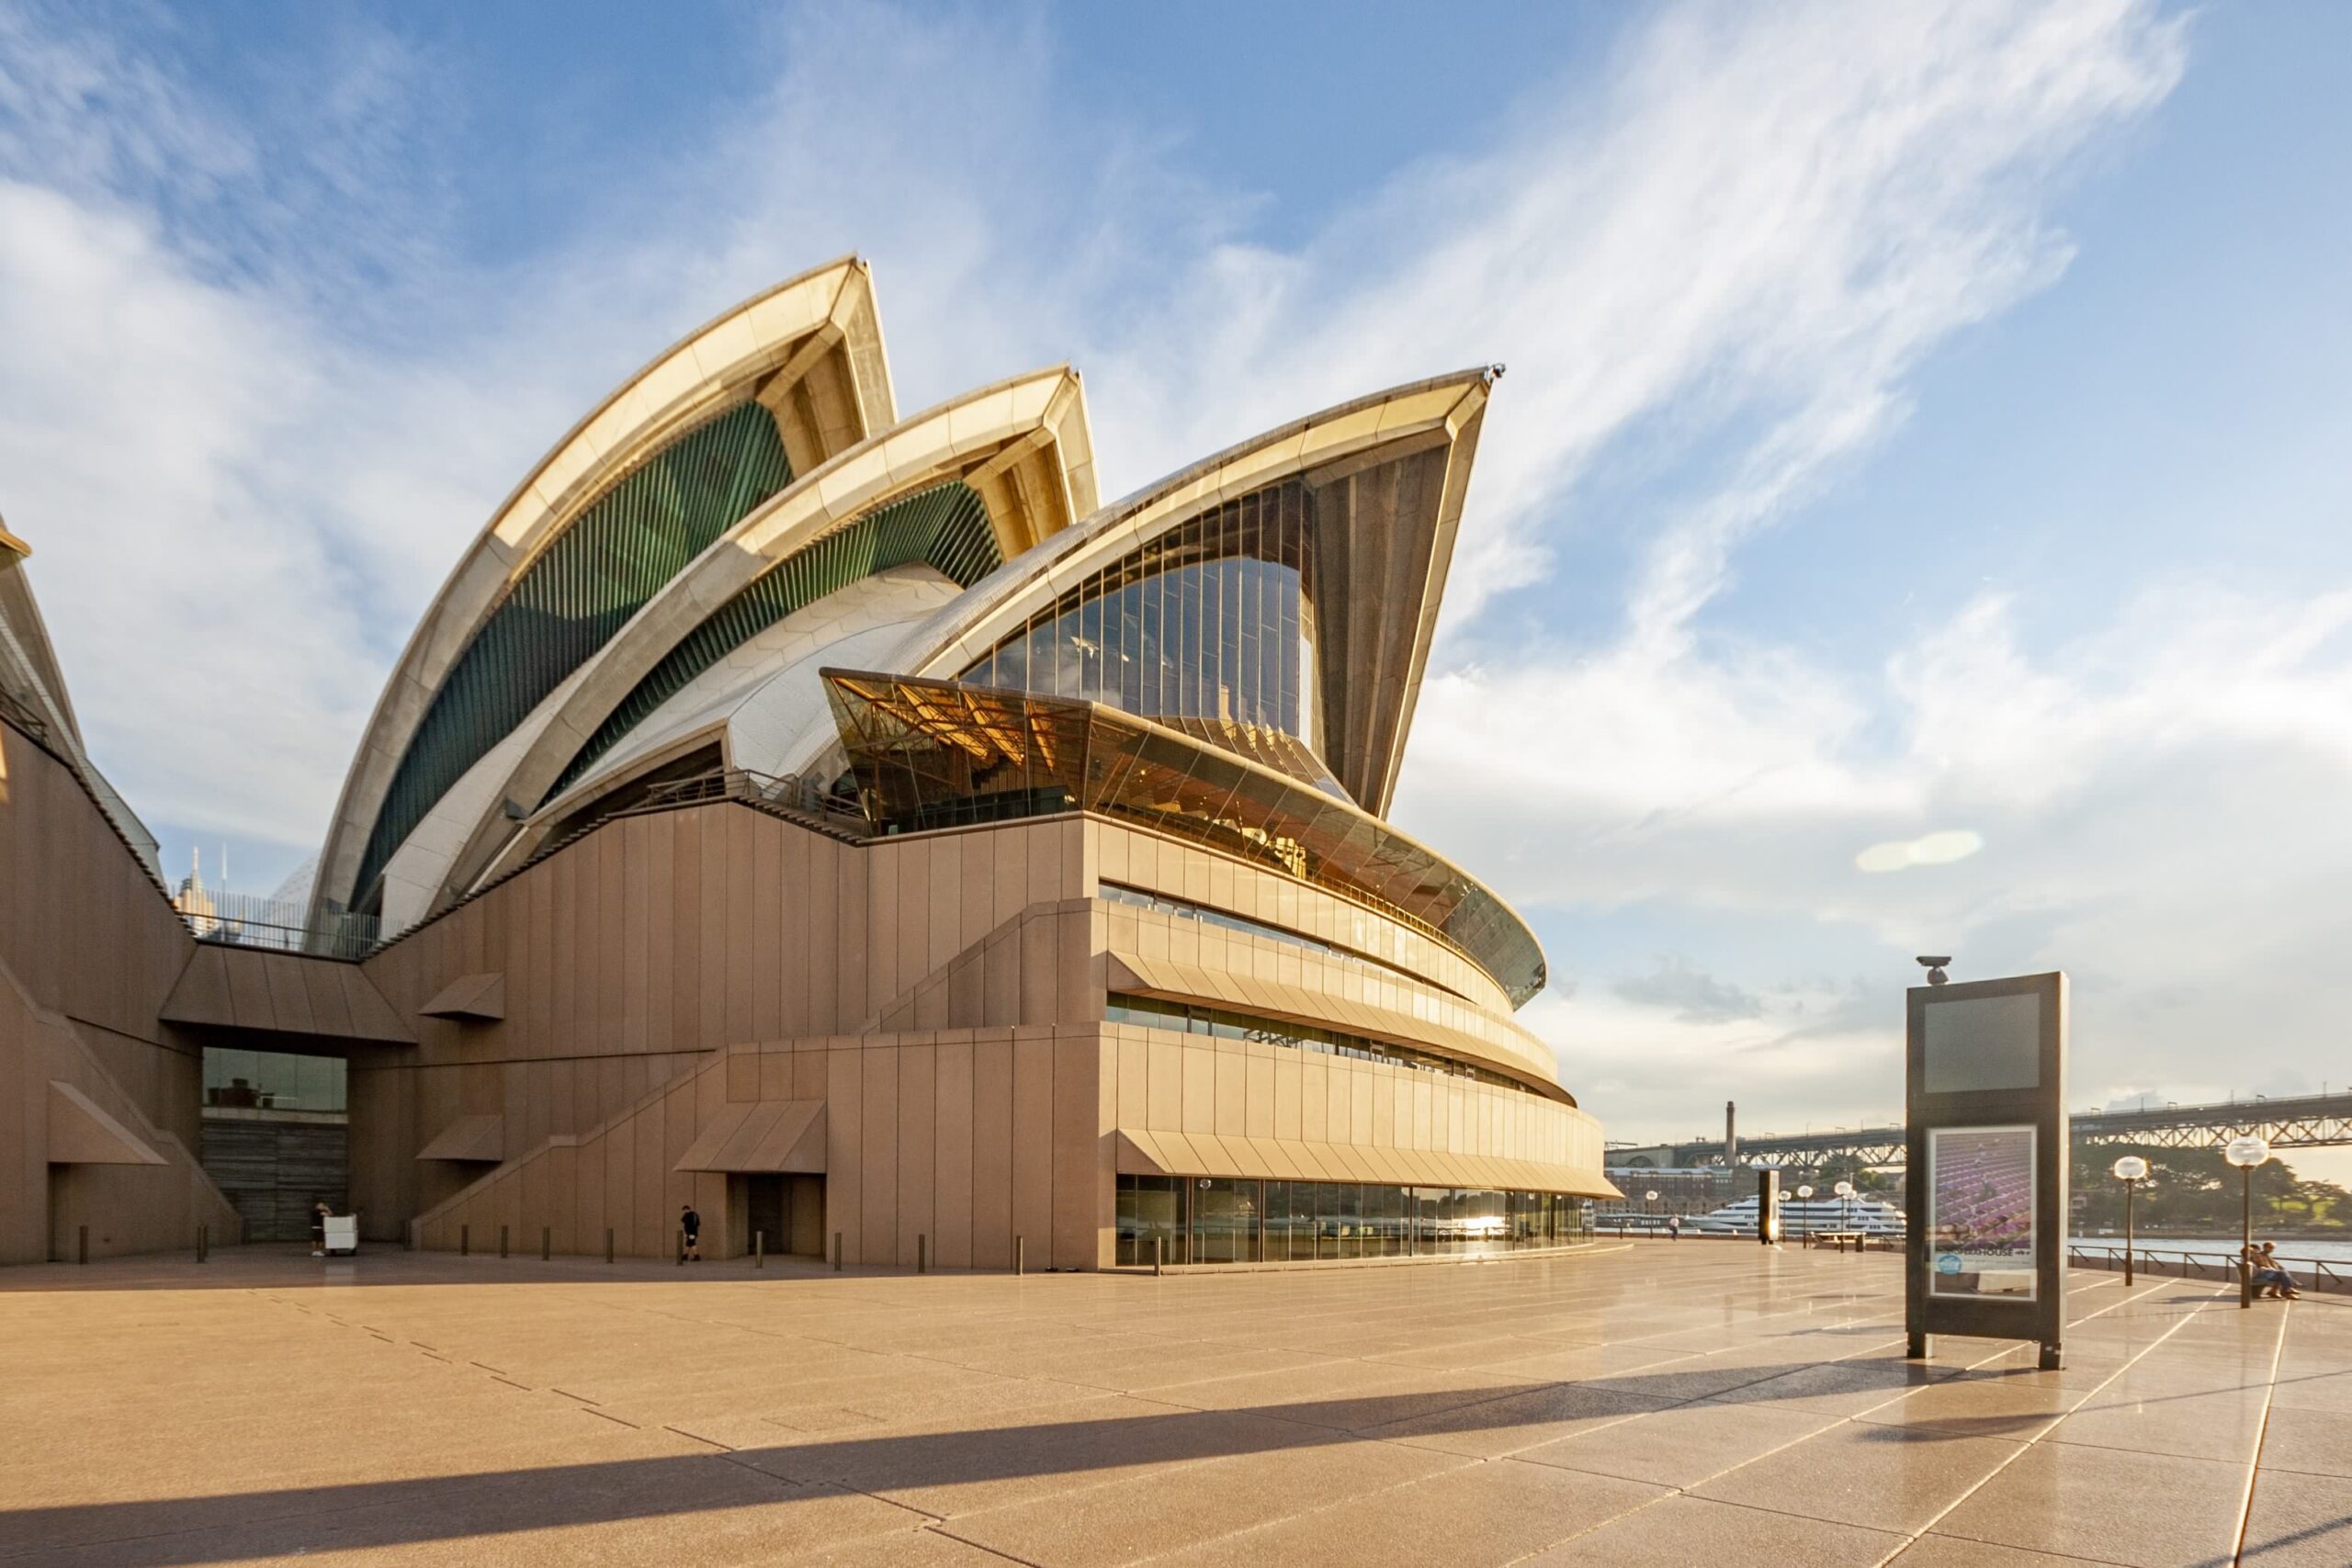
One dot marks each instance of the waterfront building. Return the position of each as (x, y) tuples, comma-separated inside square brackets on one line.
[(850, 826)]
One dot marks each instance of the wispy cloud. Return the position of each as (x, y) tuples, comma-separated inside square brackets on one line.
[(257, 396)]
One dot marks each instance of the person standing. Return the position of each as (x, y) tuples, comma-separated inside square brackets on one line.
[(1674, 1227), (690, 1228), (319, 1212)]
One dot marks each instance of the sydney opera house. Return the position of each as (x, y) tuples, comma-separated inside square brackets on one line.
[(846, 823)]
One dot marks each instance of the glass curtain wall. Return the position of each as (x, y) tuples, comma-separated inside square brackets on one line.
[(1192, 1017), (1213, 620), (1223, 1220), (932, 754)]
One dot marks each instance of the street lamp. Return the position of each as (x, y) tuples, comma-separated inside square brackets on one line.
[(1649, 1197), (2245, 1154), (1804, 1196), (1845, 1190), (2131, 1171)]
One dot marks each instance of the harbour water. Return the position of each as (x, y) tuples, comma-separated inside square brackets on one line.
[(2325, 1251)]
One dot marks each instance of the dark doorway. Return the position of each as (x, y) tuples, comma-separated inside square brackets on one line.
[(768, 1212)]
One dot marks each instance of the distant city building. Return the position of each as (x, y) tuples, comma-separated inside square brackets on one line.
[(849, 826)]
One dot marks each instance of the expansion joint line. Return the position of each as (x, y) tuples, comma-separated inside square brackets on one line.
[(2104, 1383), (2261, 1435)]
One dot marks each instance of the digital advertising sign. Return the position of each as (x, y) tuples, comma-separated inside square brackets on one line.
[(1986, 1183)]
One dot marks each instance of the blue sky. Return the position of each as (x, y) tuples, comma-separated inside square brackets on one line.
[(1920, 421)]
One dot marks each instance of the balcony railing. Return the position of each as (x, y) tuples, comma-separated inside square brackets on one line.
[(277, 925)]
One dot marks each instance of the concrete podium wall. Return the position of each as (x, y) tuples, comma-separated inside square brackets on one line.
[(89, 949), (942, 994)]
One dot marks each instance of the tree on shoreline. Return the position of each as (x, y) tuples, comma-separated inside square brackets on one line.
[(2196, 1190)]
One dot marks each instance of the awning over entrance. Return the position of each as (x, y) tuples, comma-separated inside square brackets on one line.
[(1145, 1153), (761, 1135), (80, 1133), (476, 1138)]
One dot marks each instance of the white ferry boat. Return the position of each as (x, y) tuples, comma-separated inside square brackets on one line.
[(1799, 1216)]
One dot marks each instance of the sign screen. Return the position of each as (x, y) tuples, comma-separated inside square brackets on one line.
[(1980, 1213), (1978, 1042)]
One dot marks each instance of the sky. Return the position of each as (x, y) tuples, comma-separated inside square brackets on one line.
[(1913, 520)]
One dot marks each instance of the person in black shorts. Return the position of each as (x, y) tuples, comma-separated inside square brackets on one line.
[(691, 1224)]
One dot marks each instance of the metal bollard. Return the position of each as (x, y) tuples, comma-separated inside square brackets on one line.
[(1020, 1255), (465, 1240), (502, 1241), (837, 1252), (758, 1250), (81, 1244), (1158, 1255), (546, 1243), (608, 1243), (681, 1246), (922, 1251)]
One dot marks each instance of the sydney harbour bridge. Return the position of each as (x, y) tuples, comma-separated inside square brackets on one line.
[(2298, 1121)]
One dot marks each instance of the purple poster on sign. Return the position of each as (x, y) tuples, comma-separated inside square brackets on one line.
[(1979, 1218)]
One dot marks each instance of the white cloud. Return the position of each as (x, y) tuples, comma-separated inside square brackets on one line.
[(249, 417)]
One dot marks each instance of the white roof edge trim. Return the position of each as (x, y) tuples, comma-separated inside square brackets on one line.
[(416, 675)]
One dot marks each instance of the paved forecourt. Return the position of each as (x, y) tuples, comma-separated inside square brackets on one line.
[(1700, 1402)]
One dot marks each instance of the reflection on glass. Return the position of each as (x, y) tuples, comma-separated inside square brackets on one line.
[(273, 1080), (1187, 1018), (1225, 1220), (1212, 620), (1229, 1220), (1150, 1208), (933, 755)]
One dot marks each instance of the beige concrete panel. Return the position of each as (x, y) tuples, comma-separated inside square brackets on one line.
[(851, 955), (916, 1147), (1232, 1070), (883, 932), (824, 925), (742, 1074), (1001, 979), (975, 885), (1008, 875), (845, 1166), (992, 1157), (941, 899), (1198, 1065), (1083, 1155), (1078, 973), (1033, 1150), (1164, 1080), (1288, 1082), (762, 954), (1258, 1097), (1315, 1102), (952, 1152), (1131, 1107), (249, 995), (713, 938)]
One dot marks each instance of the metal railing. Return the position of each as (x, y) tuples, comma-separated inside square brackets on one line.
[(277, 925), (796, 795), (2199, 1263)]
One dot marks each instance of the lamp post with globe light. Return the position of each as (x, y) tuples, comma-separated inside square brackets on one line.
[(1845, 1190), (1649, 1197), (1804, 1196), (2131, 1171), (2246, 1153)]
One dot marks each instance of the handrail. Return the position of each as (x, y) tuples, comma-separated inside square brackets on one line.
[(2318, 1274)]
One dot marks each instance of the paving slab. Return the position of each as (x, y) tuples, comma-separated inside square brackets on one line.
[(1652, 1403)]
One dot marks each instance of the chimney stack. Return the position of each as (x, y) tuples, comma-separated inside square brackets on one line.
[(1731, 1134)]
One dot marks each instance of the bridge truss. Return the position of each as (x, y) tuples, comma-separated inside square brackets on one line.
[(2311, 1120)]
